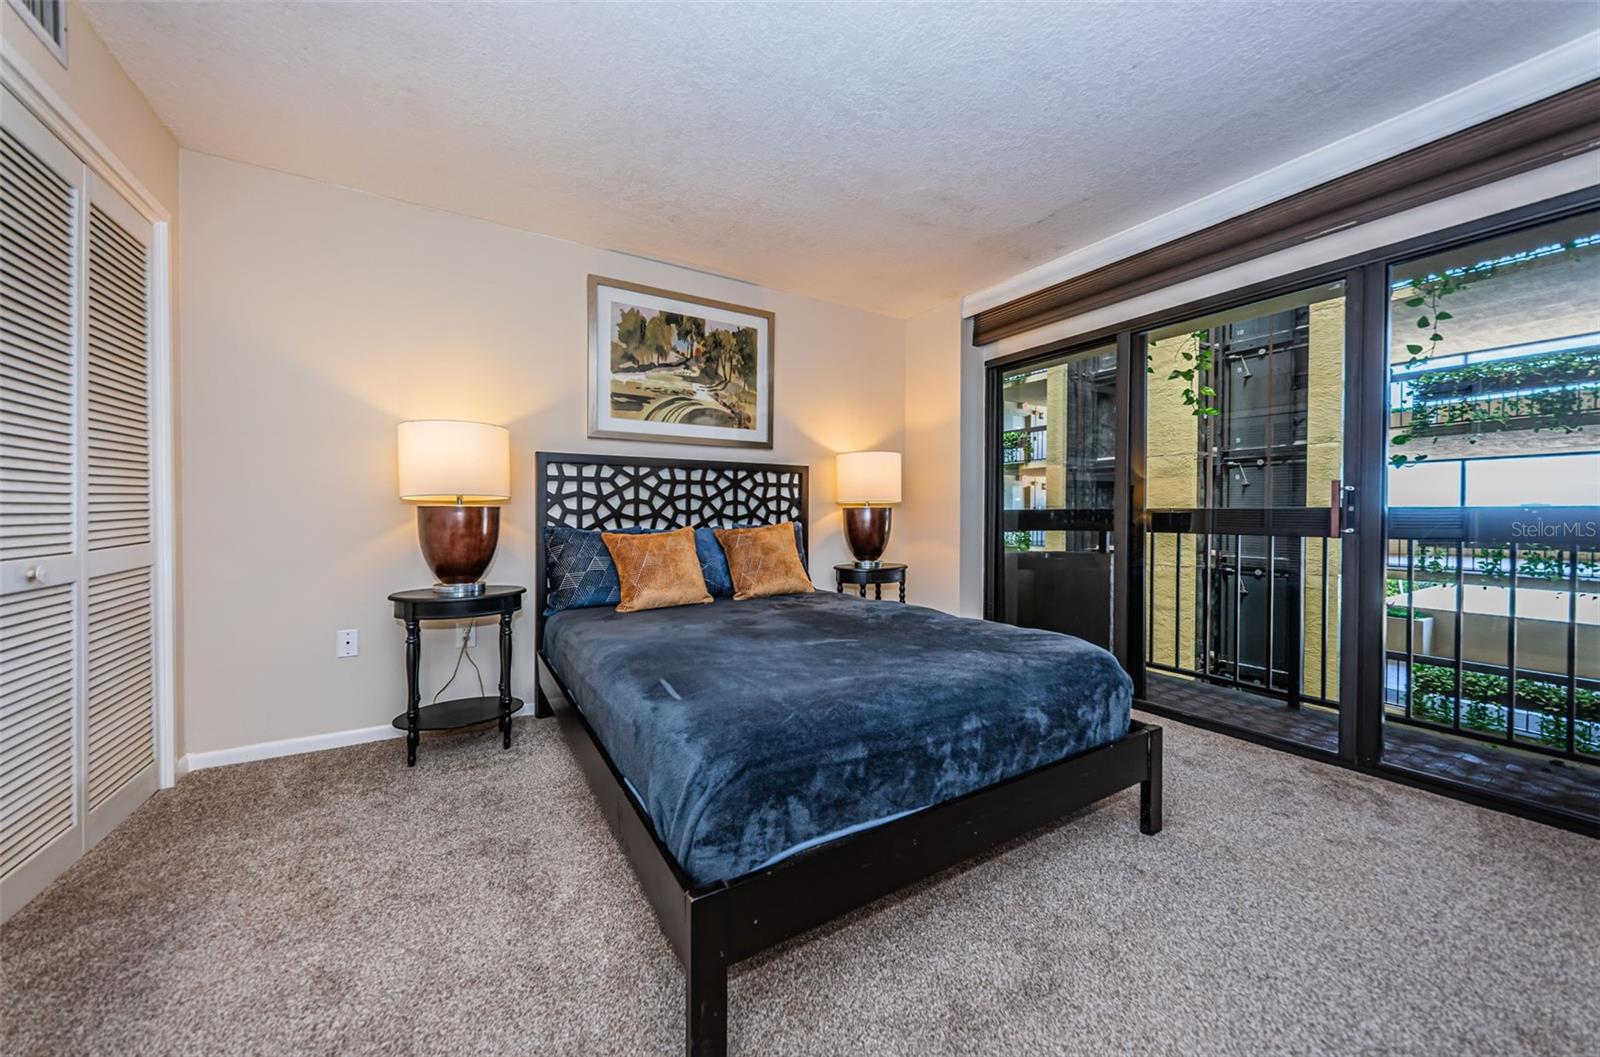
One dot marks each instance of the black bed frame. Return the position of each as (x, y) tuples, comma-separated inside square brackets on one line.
[(714, 925)]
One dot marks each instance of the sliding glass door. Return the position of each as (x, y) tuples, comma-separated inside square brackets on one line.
[(1244, 554), (1054, 445), (1354, 513), (1492, 557)]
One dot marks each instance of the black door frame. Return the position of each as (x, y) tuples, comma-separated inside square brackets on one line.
[(1366, 276)]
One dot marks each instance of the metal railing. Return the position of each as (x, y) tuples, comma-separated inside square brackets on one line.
[(1024, 445), (1494, 699), (1223, 571), (1440, 683)]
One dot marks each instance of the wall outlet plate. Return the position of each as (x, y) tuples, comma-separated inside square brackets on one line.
[(466, 632), (347, 642)]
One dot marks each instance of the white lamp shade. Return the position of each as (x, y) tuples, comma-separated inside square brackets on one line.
[(442, 460), (867, 477)]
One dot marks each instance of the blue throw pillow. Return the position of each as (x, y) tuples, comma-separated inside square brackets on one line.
[(714, 563), (579, 569)]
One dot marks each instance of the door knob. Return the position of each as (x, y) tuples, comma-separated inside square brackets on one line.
[(35, 574)]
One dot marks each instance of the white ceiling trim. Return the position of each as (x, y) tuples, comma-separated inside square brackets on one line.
[(1544, 75)]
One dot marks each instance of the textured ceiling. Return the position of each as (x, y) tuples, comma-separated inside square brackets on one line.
[(879, 155)]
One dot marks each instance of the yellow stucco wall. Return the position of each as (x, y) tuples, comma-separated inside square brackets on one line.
[(1055, 447), (1172, 459), (1324, 463)]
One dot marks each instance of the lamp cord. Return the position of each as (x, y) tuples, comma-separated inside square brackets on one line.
[(457, 669)]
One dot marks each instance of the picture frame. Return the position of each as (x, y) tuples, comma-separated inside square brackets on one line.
[(676, 368)]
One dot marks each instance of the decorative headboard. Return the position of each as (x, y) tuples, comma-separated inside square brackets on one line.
[(619, 491)]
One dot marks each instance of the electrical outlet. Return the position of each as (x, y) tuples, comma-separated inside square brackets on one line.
[(347, 642), (466, 632)]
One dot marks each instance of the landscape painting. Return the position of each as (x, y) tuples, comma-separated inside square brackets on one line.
[(671, 367)]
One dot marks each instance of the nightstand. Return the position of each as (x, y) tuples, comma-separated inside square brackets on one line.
[(413, 607), (887, 573)]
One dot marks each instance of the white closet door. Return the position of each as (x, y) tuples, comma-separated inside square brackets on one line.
[(77, 700), (41, 598), (121, 746)]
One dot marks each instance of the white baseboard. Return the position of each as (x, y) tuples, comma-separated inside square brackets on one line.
[(267, 750)]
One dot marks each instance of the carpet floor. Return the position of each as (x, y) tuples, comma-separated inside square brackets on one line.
[(337, 903)]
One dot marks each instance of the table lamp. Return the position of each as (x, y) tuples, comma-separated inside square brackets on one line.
[(457, 473), (867, 483)]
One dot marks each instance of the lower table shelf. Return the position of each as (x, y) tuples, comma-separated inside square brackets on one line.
[(461, 712)]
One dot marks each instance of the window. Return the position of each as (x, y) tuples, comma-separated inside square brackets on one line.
[(48, 20)]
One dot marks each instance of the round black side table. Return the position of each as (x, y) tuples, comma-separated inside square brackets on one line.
[(413, 607), (887, 573)]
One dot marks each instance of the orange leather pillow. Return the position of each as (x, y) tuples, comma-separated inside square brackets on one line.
[(764, 561), (657, 569)]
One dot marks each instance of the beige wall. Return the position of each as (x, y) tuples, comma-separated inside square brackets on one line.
[(928, 529), (316, 319)]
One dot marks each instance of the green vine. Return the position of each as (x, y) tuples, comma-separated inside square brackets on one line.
[(1446, 398), (1553, 391), (1196, 393), (1483, 701), (1493, 568), (1013, 446)]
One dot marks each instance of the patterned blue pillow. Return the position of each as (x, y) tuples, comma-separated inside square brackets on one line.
[(579, 569), (714, 563)]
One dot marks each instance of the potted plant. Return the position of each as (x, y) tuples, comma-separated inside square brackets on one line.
[(1014, 447), (1395, 625)]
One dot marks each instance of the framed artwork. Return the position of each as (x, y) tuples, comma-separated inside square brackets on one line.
[(678, 369)]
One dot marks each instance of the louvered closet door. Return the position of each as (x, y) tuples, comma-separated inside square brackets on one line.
[(77, 693), (41, 597), (119, 625)]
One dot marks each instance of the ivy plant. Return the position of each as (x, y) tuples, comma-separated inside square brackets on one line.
[(1197, 396), (1552, 390)]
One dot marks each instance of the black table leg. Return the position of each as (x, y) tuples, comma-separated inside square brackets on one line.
[(877, 592), (413, 692), (863, 590), (902, 590), (505, 680)]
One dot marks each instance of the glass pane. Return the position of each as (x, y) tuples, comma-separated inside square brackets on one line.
[(1494, 616), (1245, 412), (1057, 470)]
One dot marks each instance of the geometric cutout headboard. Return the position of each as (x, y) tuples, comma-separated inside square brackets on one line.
[(612, 492)]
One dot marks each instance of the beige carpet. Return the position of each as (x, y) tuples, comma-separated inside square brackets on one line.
[(338, 904)]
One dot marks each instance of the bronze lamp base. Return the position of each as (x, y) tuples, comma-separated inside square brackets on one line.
[(866, 529), (458, 543)]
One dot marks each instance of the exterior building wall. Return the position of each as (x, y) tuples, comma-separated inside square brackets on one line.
[(1172, 481), (1055, 449), (1324, 463)]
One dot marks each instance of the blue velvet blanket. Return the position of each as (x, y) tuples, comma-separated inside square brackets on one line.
[(749, 730)]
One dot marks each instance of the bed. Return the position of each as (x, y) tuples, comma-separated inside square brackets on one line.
[(770, 764)]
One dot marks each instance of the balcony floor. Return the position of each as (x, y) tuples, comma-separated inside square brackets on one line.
[(1496, 770)]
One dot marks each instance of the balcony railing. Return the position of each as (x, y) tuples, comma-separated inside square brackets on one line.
[(1024, 445), (1253, 604), (1496, 642)]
